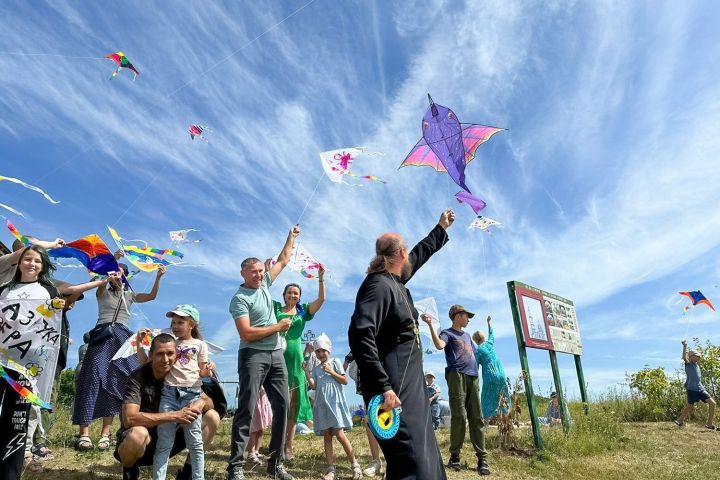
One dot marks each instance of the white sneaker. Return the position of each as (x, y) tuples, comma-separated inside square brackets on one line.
[(375, 468)]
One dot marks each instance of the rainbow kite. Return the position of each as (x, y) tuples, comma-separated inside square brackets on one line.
[(91, 251), (145, 258), (122, 62), (696, 297), (24, 392), (22, 238)]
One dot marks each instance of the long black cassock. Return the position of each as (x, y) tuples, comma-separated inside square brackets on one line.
[(384, 341)]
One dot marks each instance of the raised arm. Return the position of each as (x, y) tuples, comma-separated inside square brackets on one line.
[(491, 335), (437, 341), (315, 306), (67, 289), (148, 297), (435, 240), (284, 256), (684, 353)]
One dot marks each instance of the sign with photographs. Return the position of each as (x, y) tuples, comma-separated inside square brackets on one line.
[(548, 320)]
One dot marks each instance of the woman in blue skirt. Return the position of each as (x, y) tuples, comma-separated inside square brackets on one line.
[(494, 381)]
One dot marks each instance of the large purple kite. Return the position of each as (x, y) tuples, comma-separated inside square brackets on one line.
[(448, 145)]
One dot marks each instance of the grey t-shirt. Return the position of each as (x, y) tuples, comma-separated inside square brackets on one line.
[(692, 382), (256, 303), (108, 302)]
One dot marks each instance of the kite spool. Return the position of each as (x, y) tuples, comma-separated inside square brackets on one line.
[(383, 424)]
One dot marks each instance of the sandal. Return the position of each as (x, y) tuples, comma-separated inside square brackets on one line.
[(711, 427), (41, 452), (329, 473), (83, 444), (679, 423), (104, 443)]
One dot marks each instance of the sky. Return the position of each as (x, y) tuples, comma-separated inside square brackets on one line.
[(606, 179)]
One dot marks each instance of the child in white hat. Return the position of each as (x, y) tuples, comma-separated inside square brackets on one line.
[(695, 390), (331, 415)]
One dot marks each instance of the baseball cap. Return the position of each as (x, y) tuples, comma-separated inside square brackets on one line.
[(185, 310), (455, 309), (553, 395), (430, 372), (694, 353)]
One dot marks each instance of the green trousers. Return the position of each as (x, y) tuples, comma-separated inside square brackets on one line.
[(464, 392)]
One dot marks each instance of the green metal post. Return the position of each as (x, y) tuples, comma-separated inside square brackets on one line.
[(581, 379), (525, 367), (559, 390)]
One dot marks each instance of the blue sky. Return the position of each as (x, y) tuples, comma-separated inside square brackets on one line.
[(606, 181)]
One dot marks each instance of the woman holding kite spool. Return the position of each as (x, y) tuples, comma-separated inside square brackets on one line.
[(300, 409), (102, 381)]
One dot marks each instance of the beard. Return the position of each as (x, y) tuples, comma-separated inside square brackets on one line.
[(407, 270)]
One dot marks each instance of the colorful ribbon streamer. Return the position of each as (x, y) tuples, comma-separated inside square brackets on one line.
[(24, 392)]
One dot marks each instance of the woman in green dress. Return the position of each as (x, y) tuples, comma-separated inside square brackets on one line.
[(300, 409)]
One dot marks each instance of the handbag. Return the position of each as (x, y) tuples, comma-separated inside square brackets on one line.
[(104, 331)]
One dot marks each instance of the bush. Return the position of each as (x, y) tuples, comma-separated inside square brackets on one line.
[(66, 388)]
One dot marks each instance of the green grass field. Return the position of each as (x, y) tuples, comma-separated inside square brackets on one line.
[(598, 447)]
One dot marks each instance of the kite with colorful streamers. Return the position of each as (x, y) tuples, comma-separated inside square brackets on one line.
[(122, 62), (197, 131), (337, 163), (145, 258), (91, 251), (697, 298), (484, 224)]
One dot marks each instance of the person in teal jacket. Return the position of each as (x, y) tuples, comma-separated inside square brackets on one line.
[(494, 381)]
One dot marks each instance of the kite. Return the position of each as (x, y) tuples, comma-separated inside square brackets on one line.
[(28, 186), (336, 164), (197, 131), (484, 223), (145, 258), (24, 392), (468, 198), (448, 145), (91, 251), (303, 262), (427, 306), (22, 238), (122, 62), (696, 297), (181, 236)]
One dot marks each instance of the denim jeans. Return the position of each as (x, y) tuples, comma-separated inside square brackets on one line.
[(435, 412), (173, 399)]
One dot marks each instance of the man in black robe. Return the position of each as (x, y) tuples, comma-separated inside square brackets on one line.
[(385, 342)]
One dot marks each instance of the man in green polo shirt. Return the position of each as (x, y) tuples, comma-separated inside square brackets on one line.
[(260, 360)]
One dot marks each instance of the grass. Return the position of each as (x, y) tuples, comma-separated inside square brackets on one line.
[(598, 446)]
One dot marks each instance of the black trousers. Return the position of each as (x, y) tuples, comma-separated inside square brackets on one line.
[(259, 368), (14, 414)]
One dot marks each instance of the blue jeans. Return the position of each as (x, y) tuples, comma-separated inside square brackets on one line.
[(435, 413), (173, 399)]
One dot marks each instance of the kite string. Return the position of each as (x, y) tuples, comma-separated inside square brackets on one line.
[(487, 295), (310, 198)]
